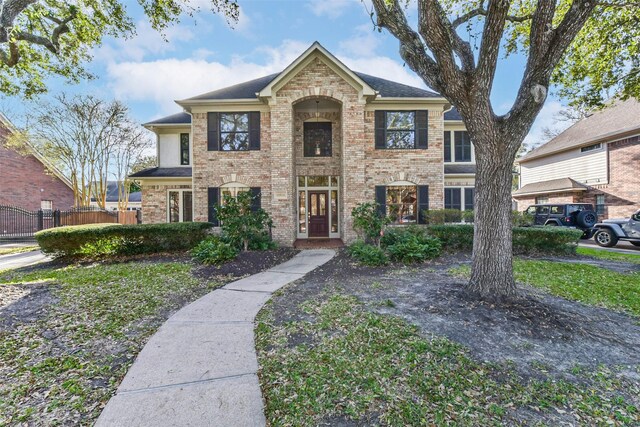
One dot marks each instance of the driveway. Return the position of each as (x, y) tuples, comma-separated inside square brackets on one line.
[(622, 247), (8, 262)]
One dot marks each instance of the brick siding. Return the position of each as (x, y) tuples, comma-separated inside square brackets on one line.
[(25, 181)]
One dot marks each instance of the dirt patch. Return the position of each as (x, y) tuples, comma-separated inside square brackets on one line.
[(248, 263), (536, 329), (29, 306)]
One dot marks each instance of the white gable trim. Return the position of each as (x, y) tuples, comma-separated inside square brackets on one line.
[(317, 51)]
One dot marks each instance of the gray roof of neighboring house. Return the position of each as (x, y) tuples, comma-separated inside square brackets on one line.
[(176, 172), (112, 193), (452, 114), (459, 169), (617, 119), (174, 119), (551, 186)]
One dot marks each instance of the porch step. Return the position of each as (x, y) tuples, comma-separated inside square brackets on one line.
[(318, 244)]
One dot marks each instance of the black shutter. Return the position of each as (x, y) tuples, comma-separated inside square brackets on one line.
[(254, 130), (423, 202), (422, 129), (213, 134), (447, 146), (381, 126), (256, 199), (468, 199), (212, 203), (381, 200)]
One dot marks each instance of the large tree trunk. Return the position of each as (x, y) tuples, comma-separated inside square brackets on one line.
[(492, 269)]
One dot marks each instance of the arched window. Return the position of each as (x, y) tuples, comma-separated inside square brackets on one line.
[(232, 189), (402, 202)]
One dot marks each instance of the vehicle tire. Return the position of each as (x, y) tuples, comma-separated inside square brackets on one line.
[(635, 243), (587, 219), (606, 237)]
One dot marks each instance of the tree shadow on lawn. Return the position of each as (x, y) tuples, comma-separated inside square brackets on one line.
[(537, 329)]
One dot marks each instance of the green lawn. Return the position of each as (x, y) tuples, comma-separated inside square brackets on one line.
[(585, 283), (344, 362), (61, 368), (608, 255), (10, 251)]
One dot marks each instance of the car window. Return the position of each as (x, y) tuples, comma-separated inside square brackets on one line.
[(557, 210), (531, 210), (543, 210), (575, 208), (636, 216)]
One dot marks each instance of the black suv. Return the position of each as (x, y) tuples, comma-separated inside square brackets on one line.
[(578, 215)]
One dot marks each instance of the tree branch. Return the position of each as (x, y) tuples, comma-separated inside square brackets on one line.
[(482, 11)]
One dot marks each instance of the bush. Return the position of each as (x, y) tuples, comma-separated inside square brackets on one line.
[(468, 216), (442, 216), (367, 254), (213, 250), (368, 222), (526, 240), (242, 224), (98, 240), (521, 219), (410, 244)]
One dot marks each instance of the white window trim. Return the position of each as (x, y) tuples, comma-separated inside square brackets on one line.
[(180, 203), (453, 150), (234, 188), (306, 190), (462, 196)]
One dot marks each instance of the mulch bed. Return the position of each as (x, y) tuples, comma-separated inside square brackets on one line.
[(248, 263), (535, 328)]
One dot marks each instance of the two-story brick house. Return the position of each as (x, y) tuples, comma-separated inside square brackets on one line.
[(597, 160), (313, 142)]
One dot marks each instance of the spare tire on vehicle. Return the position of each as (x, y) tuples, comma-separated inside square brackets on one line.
[(586, 219)]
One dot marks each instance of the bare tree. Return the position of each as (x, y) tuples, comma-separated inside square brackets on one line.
[(543, 31), (131, 149)]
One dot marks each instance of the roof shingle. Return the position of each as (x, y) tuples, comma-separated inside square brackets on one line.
[(551, 186), (176, 172)]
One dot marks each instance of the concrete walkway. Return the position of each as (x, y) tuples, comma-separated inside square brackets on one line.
[(200, 368), (24, 259)]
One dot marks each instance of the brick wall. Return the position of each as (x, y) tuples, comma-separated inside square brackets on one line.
[(154, 202), (25, 182)]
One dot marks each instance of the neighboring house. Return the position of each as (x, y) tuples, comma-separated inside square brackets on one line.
[(111, 204), (313, 142), (28, 180), (597, 161)]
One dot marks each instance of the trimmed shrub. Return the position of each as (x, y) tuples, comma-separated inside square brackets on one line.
[(526, 240), (521, 219), (442, 216), (367, 254), (468, 216), (368, 222), (213, 250), (98, 240)]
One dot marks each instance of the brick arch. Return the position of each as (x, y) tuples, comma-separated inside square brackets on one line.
[(299, 96), (231, 179), (402, 176)]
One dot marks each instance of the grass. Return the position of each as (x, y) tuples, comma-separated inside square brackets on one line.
[(61, 368), (608, 255), (11, 251), (352, 364), (578, 282)]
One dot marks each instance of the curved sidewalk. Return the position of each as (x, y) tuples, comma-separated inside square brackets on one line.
[(200, 368)]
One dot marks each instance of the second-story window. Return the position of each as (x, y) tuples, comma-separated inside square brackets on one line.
[(234, 131), (317, 139), (460, 150), (184, 148), (401, 129)]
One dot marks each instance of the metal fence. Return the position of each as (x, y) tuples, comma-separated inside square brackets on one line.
[(18, 224)]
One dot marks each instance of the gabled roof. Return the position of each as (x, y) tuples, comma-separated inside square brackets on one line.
[(391, 89), (246, 90), (552, 186), (4, 121), (618, 120), (156, 172)]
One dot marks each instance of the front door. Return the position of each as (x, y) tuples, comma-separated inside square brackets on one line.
[(318, 214)]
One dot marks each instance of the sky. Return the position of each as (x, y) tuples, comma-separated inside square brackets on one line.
[(204, 52)]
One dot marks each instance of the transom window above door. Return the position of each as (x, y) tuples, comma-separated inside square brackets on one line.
[(317, 139)]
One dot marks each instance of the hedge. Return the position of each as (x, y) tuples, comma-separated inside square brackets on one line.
[(115, 239), (526, 240)]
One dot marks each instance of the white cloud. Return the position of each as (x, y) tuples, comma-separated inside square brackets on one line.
[(363, 42), (384, 67), (330, 8)]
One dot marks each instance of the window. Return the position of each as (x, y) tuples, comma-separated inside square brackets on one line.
[(232, 190), (459, 198), (46, 205), (591, 148), (402, 204), (317, 139), (184, 148), (309, 189), (234, 131), (461, 150), (447, 146), (400, 126), (180, 206), (543, 210), (600, 204), (542, 200), (557, 210)]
